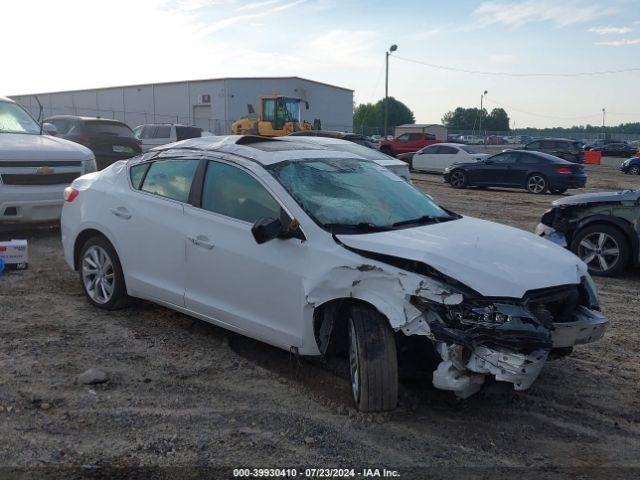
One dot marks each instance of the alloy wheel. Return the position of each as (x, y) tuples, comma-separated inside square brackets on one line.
[(634, 170), (457, 179), (536, 184), (599, 251), (353, 362), (98, 274)]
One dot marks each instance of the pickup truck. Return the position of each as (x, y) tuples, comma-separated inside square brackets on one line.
[(407, 142)]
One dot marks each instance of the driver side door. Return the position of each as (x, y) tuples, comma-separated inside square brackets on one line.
[(231, 280)]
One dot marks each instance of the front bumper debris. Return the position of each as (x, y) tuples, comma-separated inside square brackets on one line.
[(551, 234), (589, 326)]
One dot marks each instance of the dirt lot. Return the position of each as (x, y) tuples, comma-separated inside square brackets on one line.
[(182, 392)]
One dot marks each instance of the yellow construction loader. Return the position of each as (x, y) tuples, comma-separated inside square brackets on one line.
[(279, 116)]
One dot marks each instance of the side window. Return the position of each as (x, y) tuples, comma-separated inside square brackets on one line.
[(415, 136), (429, 136), (231, 191), (62, 126), (137, 174), (430, 150), (137, 132), (163, 131), (448, 150), (269, 109), (404, 137), (528, 160), (148, 131), (507, 158), (170, 178)]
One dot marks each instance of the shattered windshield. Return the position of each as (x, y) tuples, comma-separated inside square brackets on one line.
[(14, 119), (346, 195)]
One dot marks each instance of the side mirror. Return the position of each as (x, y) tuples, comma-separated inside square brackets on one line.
[(488, 161), (50, 129), (266, 229)]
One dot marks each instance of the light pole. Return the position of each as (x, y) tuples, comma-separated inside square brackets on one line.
[(481, 98), (604, 112), (392, 48)]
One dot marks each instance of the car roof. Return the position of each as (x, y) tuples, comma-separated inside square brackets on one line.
[(542, 155), (263, 150), (84, 119)]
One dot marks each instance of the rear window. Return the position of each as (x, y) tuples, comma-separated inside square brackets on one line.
[(108, 128), (182, 133), (162, 132), (170, 178)]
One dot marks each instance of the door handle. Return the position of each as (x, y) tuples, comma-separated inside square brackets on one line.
[(121, 212), (201, 241)]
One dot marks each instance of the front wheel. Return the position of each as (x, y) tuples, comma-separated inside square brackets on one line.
[(373, 361), (537, 184), (458, 179), (635, 170), (101, 275), (603, 248)]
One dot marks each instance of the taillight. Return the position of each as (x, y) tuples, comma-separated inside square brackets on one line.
[(84, 140), (70, 194), (563, 170)]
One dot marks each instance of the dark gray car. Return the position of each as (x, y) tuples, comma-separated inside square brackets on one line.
[(603, 229), (570, 150)]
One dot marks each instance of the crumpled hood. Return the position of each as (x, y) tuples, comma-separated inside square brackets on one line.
[(17, 146), (622, 195), (493, 259)]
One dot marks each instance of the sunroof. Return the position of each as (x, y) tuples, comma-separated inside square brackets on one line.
[(271, 145)]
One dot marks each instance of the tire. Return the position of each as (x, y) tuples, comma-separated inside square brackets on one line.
[(101, 275), (635, 170), (373, 361), (537, 184), (557, 191), (458, 179), (603, 248)]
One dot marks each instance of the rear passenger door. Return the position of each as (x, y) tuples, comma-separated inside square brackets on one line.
[(426, 159), (148, 222)]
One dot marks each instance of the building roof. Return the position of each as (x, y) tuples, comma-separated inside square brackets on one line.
[(185, 81)]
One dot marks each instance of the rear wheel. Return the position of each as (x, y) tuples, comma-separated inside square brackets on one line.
[(537, 183), (373, 360), (635, 170), (101, 275), (458, 179), (603, 248)]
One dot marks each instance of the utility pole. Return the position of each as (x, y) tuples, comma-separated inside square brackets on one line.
[(604, 112), (393, 48), (481, 98)]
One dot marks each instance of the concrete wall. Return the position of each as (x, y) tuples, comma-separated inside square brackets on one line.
[(178, 102)]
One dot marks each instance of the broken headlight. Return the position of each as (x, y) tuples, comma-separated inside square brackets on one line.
[(591, 291)]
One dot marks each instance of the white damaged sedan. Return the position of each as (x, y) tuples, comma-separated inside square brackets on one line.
[(315, 251)]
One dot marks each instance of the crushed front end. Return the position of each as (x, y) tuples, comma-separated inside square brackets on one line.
[(510, 339)]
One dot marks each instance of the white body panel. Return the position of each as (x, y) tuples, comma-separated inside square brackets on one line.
[(430, 160)]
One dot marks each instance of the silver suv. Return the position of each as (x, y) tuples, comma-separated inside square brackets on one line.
[(35, 167)]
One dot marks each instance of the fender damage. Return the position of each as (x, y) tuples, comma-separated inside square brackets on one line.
[(475, 336)]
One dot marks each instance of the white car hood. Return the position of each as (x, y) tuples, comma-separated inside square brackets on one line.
[(18, 146), (493, 259)]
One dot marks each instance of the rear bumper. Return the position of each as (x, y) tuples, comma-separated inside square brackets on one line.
[(578, 180), (30, 204)]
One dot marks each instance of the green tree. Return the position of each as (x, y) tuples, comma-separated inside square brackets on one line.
[(469, 119), (497, 121), (368, 118)]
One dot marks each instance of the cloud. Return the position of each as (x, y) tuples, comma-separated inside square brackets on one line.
[(229, 21), (610, 30), (619, 43), (516, 14), (501, 58)]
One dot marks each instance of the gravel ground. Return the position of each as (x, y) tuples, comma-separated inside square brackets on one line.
[(182, 392)]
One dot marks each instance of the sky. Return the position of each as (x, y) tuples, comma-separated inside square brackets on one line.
[(72, 44)]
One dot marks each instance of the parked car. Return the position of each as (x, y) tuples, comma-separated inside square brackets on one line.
[(406, 143), (616, 150), (350, 137), (35, 167), (317, 251), (471, 139), (398, 167), (631, 166), (109, 140), (570, 150), (435, 158), (600, 228), (155, 134), (495, 140), (599, 143), (534, 171)]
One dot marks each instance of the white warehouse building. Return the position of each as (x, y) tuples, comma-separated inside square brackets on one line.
[(212, 104)]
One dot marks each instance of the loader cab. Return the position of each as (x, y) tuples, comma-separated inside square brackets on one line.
[(280, 110)]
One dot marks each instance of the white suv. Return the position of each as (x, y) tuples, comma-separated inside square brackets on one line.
[(155, 134), (315, 250), (35, 168)]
